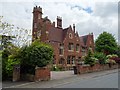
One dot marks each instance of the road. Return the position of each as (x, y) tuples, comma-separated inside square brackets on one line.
[(103, 79), (106, 81)]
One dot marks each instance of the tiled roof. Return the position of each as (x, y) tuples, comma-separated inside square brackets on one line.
[(55, 34)]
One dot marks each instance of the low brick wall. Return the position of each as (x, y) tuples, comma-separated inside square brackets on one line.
[(42, 74), (86, 69)]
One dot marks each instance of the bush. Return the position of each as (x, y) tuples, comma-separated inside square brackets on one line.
[(89, 59), (101, 57), (109, 56), (10, 63), (110, 61), (37, 54), (55, 68), (10, 57)]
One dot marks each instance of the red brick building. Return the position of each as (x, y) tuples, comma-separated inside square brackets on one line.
[(68, 46)]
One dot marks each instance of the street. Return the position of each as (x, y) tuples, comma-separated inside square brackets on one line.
[(106, 81), (102, 79)]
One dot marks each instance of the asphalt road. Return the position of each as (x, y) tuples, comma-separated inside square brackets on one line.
[(105, 81)]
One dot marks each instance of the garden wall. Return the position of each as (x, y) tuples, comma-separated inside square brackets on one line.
[(86, 69), (41, 74)]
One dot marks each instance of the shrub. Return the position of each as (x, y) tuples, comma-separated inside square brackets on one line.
[(10, 57), (12, 60), (116, 59), (110, 61), (89, 59), (37, 54), (111, 56), (101, 57), (55, 68)]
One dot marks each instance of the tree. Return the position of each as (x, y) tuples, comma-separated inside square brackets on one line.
[(106, 43), (90, 59), (101, 57), (10, 57), (37, 54), (118, 51)]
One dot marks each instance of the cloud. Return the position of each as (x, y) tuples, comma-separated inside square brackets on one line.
[(89, 15)]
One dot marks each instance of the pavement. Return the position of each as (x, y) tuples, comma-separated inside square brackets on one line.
[(57, 78)]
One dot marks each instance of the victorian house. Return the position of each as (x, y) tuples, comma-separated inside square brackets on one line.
[(68, 46)]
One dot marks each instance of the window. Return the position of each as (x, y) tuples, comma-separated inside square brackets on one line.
[(54, 59), (70, 36), (38, 16), (73, 60), (68, 60), (38, 34), (61, 61), (77, 47), (71, 46), (35, 25), (83, 50), (61, 49)]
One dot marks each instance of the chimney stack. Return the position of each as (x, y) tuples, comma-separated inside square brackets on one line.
[(74, 27), (59, 22), (53, 24)]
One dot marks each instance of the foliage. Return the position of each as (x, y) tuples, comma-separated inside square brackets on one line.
[(10, 57), (12, 60), (56, 68), (37, 54), (1, 65), (101, 57), (110, 61), (22, 36), (111, 56), (118, 51), (89, 59), (116, 59), (106, 43)]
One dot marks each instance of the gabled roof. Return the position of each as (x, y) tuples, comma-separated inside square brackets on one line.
[(65, 32), (56, 34), (81, 41)]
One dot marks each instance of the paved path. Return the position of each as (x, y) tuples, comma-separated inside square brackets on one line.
[(61, 74), (62, 78)]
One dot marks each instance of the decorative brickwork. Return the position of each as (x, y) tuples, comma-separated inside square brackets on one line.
[(68, 46)]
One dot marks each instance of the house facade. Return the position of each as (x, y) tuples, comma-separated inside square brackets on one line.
[(68, 46)]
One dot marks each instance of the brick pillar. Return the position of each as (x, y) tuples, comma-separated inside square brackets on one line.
[(16, 73)]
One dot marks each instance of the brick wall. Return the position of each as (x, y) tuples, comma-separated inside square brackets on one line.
[(86, 69), (42, 74)]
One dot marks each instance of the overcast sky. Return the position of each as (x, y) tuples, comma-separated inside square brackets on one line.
[(88, 15)]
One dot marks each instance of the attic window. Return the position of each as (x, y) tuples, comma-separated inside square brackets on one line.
[(70, 36)]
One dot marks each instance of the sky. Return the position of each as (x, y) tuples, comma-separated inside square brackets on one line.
[(88, 15)]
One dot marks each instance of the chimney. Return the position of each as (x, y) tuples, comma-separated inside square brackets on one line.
[(53, 24), (59, 22), (74, 27)]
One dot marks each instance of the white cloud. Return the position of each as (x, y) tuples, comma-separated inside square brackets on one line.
[(103, 18)]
